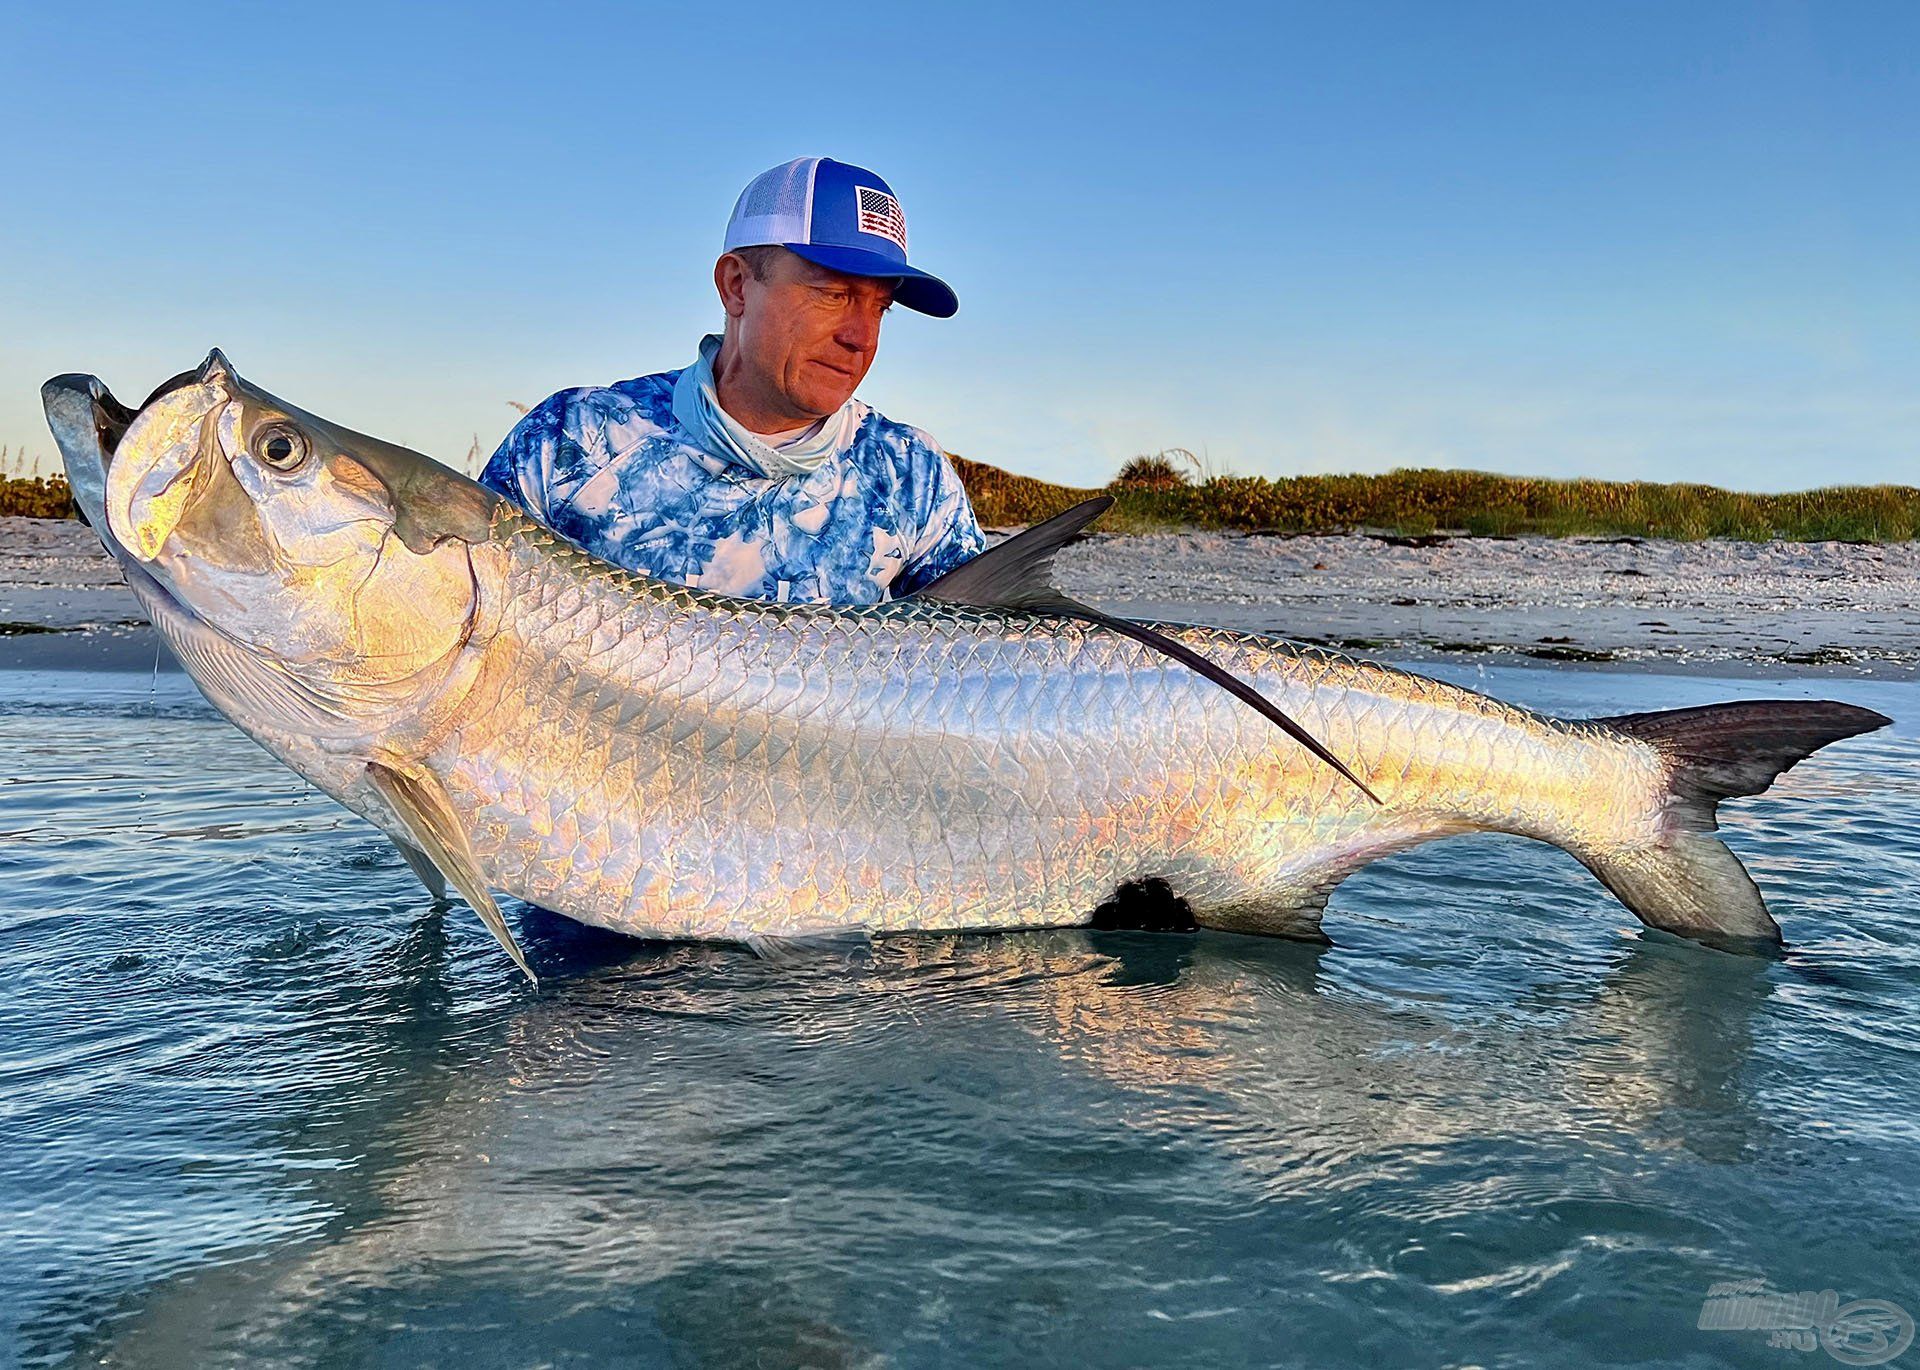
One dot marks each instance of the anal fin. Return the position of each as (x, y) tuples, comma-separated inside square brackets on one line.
[(1296, 918), (785, 950), (441, 840)]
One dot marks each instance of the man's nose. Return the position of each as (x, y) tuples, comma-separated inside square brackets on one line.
[(859, 329)]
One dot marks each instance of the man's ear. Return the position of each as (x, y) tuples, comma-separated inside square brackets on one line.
[(730, 275)]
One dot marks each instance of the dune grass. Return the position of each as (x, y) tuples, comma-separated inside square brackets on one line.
[(1158, 497), (1425, 501), (36, 497)]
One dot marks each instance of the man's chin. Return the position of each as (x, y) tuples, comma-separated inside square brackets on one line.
[(828, 385), (821, 401)]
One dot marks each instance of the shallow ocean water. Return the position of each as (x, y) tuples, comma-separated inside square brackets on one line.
[(258, 1105)]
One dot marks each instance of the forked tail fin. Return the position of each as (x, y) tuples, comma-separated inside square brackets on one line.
[(1687, 881)]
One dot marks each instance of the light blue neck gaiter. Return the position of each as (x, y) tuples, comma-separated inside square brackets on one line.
[(696, 407)]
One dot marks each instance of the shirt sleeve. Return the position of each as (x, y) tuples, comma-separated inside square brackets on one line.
[(949, 534), (522, 467)]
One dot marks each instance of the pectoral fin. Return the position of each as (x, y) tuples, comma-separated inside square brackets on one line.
[(441, 839), (1018, 574), (428, 873)]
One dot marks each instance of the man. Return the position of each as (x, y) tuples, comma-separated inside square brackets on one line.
[(754, 471)]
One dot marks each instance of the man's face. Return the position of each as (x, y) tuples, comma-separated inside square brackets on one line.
[(805, 335)]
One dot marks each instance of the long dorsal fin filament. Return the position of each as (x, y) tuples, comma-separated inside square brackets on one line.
[(1018, 574)]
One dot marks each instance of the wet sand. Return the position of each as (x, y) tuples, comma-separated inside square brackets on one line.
[(1731, 608), (64, 605)]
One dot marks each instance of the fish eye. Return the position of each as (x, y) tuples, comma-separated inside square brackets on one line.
[(279, 446)]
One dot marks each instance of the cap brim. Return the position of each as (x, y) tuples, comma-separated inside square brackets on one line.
[(917, 290)]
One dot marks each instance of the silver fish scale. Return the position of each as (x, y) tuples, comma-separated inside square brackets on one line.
[(671, 763)]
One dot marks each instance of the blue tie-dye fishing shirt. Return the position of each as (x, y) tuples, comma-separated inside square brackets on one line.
[(609, 469)]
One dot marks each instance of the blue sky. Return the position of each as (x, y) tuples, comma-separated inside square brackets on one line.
[(1621, 240)]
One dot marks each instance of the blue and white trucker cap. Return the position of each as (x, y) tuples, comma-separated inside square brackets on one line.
[(841, 217)]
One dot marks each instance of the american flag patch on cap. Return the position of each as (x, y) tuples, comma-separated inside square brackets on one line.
[(880, 213)]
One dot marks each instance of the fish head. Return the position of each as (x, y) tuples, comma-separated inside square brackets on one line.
[(345, 559)]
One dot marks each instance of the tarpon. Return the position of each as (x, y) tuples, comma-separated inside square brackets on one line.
[(518, 716)]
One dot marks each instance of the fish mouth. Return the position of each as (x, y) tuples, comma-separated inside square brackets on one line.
[(111, 419), (88, 423), (76, 393), (89, 419)]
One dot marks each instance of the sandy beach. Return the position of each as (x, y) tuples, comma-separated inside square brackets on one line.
[(1730, 608), (1622, 603)]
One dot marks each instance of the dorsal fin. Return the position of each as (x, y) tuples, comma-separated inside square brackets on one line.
[(1018, 574)]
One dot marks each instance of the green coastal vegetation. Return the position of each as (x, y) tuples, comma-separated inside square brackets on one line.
[(1173, 490), (35, 497)]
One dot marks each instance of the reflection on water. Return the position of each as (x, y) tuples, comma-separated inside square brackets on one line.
[(259, 1107)]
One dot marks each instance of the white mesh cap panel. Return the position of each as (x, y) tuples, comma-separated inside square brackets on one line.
[(776, 207)]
